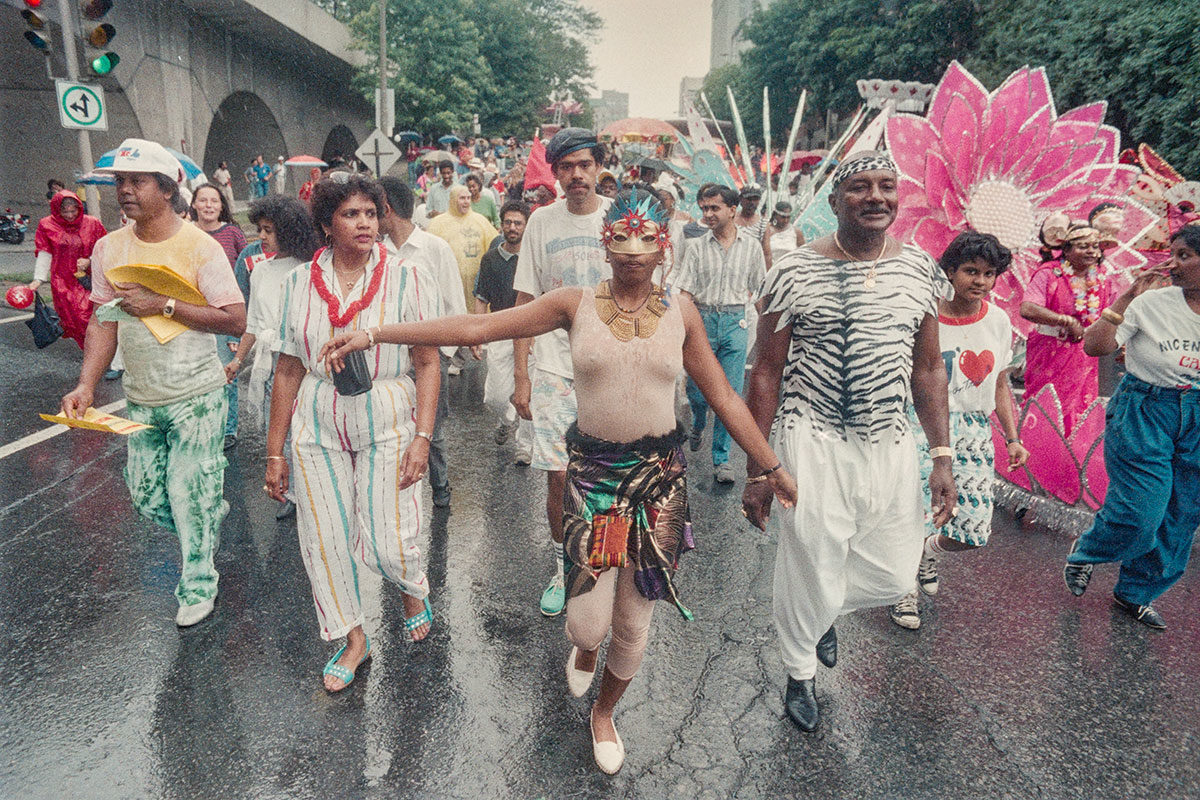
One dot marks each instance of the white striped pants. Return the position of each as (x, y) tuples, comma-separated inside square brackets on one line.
[(350, 511)]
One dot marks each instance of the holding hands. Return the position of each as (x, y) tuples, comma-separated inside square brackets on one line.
[(334, 352), (756, 498)]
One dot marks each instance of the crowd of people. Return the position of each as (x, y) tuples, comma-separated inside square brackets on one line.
[(870, 372)]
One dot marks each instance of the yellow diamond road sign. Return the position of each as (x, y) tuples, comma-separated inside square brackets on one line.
[(81, 106)]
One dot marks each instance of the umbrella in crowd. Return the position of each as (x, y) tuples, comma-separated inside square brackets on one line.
[(407, 136), (190, 168), (448, 139), (439, 155), (803, 157), (96, 179), (639, 129), (304, 161)]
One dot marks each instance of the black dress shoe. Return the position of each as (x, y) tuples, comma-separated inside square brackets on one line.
[(800, 703), (1143, 614), (827, 648), (1076, 576)]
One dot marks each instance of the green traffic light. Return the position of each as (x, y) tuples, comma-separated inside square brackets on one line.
[(103, 64)]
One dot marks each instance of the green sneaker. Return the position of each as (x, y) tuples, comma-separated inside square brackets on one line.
[(554, 598)]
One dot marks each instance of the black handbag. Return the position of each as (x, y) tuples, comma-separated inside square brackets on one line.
[(354, 378), (45, 325)]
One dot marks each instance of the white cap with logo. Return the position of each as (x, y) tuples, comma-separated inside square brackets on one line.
[(142, 155)]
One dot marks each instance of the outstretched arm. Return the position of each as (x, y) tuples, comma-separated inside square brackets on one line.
[(727, 404), (549, 312)]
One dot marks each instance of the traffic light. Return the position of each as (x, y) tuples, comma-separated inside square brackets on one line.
[(104, 63), (101, 35), (36, 23)]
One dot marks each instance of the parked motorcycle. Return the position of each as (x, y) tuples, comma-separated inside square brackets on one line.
[(13, 227)]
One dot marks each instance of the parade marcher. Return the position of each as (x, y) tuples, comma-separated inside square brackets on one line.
[(468, 233), (224, 182), (175, 469), (606, 184), (848, 333), (494, 292), (63, 245), (262, 177), (482, 202), (306, 188), (279, 175), (437, 194), (1151, 437), (285, 230), (626, 511), (212, 215), (781, 238), (975, 338), (1062, 298), (720, 272), (423, 249), (561, 247), (746, 206), (358, 458)]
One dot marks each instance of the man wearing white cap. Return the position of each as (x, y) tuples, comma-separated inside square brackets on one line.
[(175, 470)]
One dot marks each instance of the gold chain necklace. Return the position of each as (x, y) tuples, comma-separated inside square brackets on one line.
[(641, 322), (870, 280)]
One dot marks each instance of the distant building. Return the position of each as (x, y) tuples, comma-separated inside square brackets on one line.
[(689, 89), (609, 107), (728, 16)]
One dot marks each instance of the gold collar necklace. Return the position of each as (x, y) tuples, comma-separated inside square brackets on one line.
[(641, 322), (870, 280)]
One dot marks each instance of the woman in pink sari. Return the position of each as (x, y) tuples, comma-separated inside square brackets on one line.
[(1062, 299), (64, 242)]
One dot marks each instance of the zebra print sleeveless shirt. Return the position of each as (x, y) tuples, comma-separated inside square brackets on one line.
[(852, 347)]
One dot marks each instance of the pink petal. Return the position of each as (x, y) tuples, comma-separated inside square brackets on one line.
[(1048, 169), (909, 138), (957, 82), (1028, 144), (993, 139), (933, 237), (1092, 113), (1051, 462), (1080, 157), (960, 137)]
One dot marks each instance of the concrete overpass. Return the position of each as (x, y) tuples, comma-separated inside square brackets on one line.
[(221, 80)]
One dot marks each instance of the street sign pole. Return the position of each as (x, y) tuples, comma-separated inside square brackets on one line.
[(85, 142)]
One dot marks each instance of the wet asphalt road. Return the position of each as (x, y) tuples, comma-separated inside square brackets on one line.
[(1010, 689)]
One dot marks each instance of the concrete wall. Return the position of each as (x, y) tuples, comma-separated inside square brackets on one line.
[(177, 68)]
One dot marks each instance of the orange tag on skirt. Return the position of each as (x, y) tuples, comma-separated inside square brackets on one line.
[(610, 541)]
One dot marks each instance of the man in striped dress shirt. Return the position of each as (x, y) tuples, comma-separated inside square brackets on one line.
[(720, 271)]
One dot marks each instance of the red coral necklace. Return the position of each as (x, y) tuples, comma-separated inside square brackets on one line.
[(331, 302)]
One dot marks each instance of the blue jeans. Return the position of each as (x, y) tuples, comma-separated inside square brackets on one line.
[(439, 477), (231, 389), (1151, 510), (727, 337)]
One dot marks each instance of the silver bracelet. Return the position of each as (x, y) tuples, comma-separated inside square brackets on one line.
[(425, 435)]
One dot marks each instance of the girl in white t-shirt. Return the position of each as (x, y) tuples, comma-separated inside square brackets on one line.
[(1151, 437), (976, 343)]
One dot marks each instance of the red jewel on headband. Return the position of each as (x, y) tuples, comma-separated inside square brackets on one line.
[(331, 302)]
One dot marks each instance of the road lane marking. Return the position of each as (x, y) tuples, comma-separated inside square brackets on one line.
[(50, 432), (17, 318)]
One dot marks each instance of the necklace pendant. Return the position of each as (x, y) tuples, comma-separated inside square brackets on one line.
[(869, 282)]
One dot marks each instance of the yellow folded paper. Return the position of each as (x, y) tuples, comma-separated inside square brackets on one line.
[(94, 420), (162, 280)]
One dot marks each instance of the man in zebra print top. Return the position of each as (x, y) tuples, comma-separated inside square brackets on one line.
[(847, 338)]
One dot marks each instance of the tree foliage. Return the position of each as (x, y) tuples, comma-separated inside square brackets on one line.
[(1143, 58), (450, 59)]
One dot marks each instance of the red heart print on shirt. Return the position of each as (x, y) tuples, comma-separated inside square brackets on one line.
[(976, 366)]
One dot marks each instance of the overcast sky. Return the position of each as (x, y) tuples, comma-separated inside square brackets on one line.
[(646, 46)]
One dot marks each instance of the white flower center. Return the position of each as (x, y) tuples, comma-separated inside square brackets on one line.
[(1003, 210)]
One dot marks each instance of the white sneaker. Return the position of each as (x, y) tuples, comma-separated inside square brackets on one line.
[(524, 457), (906, 613), (190, 615)]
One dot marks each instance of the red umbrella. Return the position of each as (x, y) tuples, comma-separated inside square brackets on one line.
[(304, 161), (809, 157)]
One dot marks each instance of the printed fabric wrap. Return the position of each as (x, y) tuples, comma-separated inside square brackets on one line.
[(644, 481)]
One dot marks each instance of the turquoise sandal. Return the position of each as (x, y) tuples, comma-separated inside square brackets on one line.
[(424, 617), (343, 674)]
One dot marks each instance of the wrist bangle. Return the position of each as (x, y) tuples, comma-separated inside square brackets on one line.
[(1116, 318), (941, 452), (762, 476), (370, 337), (1016, 440), (425, 435), (756, 479)]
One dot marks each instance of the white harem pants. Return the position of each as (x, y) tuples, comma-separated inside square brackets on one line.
[(350, 509), (853, 540)]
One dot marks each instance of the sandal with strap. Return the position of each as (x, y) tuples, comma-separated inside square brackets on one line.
[(423, 617), (343, 674)]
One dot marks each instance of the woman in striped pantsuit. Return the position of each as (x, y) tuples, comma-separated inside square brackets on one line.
[(358, 460)]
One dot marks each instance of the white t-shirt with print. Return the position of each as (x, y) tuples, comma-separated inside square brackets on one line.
[(560, 249), (1161, 334), (976, 351)]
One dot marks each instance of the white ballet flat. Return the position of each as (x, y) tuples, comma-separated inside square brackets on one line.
[(610, 756), (578, 681)]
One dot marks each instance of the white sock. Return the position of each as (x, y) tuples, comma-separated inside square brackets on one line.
[(558, 560), (933, 545)]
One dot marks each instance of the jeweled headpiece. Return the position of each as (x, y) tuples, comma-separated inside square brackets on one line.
[(1082, 233), (636, 223)]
